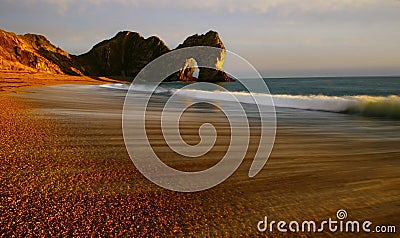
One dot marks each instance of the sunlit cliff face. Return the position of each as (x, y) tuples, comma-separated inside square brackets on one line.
[(221, 60)]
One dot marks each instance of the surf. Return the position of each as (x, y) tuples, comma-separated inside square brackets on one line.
[(364, 105)]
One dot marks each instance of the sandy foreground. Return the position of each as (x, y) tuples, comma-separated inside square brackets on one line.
[(65, 171), (15, 81)]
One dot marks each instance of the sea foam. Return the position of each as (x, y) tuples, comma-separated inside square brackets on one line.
[(373, 106)]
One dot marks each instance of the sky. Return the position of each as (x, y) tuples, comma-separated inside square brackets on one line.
[(281, 38)]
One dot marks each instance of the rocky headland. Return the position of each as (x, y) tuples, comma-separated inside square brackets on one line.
[(122, 56)]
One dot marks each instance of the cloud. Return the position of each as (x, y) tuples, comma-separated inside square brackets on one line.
[(283, 7)]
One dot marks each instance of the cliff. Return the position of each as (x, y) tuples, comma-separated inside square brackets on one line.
[(212, 39), (122, 56), (34, 53)]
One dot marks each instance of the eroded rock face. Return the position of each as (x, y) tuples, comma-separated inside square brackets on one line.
[(216, 60), (34, 53), (186, 73), (212, 39), (122, 56), (127, 53)]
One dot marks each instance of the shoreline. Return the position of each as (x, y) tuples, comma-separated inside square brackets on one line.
[(72, 171), (17, 81)]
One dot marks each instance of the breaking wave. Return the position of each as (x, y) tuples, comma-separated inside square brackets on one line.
[(371, 106)]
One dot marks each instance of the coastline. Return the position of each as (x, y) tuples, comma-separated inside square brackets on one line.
[(15, 81), (68, 173)]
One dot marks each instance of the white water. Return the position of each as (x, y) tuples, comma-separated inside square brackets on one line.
[(383, 106)]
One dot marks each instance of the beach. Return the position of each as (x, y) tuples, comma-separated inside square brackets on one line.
[(66, 172)]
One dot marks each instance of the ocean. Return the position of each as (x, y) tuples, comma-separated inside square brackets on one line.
[(366, 96), (372, 97), (337, 146), (360, 107)]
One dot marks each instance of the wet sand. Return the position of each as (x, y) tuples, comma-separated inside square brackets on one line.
[(65, 171), (15, 81)]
